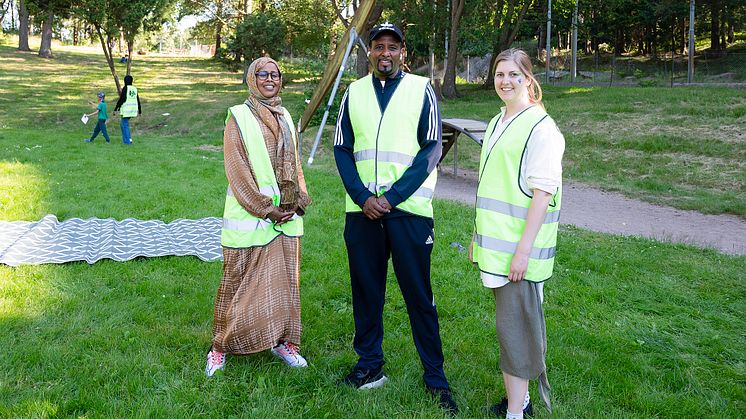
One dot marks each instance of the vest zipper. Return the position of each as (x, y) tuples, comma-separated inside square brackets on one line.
[(378, 132), (375, 166)]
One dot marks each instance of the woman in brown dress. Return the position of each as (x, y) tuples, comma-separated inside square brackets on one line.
[(257, 306)]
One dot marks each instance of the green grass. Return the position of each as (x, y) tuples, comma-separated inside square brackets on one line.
[(635, 327), (683, 147)]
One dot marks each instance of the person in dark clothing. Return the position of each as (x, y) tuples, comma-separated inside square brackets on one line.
[(128, 106), (387, 145)]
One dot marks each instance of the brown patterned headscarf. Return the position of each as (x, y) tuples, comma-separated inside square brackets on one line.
[(269, 112)]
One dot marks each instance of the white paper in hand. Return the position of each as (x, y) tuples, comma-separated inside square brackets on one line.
[(84, 118)]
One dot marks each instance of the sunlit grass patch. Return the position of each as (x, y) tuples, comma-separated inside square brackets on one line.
[(24, 188)]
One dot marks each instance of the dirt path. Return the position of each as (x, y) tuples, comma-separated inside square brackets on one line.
[(610, 212)]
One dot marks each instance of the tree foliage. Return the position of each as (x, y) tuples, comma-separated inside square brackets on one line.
[(110, 18), (45, 12), (309, 25), (259, 34), (425, 24)]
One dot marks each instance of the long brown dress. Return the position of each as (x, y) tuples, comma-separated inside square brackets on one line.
[(258, 302)]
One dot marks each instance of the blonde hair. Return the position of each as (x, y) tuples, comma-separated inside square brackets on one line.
[(522, 60)]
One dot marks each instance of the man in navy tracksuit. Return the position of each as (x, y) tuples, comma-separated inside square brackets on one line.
[(387, 145)]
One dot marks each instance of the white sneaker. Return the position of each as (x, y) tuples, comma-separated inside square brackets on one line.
[(215, 362), (288, 352)]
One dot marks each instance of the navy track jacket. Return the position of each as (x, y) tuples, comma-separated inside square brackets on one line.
[(429, 135)]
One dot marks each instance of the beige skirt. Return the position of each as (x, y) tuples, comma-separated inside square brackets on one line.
[(258, 302), (521, 331)]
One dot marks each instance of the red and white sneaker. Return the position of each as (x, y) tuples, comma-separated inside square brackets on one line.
[(215, 362), (288, 352)]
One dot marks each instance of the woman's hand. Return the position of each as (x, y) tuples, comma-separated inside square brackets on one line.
[(536, 213), (518, 266), (279, 217)]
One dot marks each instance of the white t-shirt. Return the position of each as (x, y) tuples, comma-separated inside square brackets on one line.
[(541, 168)]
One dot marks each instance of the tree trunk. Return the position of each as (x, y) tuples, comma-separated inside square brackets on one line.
[(246, 65), (715, 26), (12, 18), (541, 10), (76, 32), (361, 62), (437, 89), (361, 65), (45, 49), (23, 20), (219, 28), (731, 31), (508, 28), (449, 79), (6, 9), (641, 42), (130, 47), (106, 45), (723, 30), (619, 43)]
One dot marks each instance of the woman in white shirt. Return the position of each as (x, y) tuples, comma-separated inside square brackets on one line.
[(517, 214)]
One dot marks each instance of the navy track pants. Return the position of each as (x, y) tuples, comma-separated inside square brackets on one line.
[(408, 240)]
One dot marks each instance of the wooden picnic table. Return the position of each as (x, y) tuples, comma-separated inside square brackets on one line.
[(453, 128)]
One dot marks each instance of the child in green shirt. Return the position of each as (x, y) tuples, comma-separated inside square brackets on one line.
[(102, 117)]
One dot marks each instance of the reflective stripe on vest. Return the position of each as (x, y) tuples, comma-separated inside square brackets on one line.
[(241, 229), (502, 206), (512, 210), (492, 243), (129, 108), (381, 189), (386, 144)]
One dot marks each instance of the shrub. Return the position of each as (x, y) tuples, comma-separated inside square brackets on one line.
[(333, 111)]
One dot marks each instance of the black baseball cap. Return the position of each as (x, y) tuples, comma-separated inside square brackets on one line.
[(385, 27)]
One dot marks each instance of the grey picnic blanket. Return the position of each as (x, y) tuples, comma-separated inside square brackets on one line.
[(51, 241)]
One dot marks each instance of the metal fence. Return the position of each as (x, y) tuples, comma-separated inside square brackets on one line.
[(610, 70), (661, 70)]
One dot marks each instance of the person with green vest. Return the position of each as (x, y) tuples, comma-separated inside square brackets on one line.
[(128, 106), (257, 306), (519, 196), (387, 146)]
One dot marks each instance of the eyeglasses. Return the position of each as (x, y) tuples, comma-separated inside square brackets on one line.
[(263, 75)]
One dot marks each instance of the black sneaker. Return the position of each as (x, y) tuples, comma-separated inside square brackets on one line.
[(363, 379), (501, 409), (445, 399)]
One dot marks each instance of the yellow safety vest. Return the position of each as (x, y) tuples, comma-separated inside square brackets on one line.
[(502, 205), (386, 144), (129, 108), (241, 229)]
